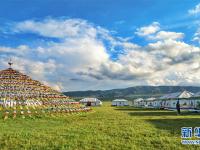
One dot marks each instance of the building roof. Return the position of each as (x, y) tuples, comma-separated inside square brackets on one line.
[(89, 100), (138, 99), (120, 100), (184, 94), (150, 99)]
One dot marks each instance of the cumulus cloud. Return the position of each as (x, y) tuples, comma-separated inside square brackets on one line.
[(20, 50), (82, 58), (154, 64), (176, 50), (81, 47), (154, 32), (196, 36), (148, 30), (163, 35), (195, 10), (57, 28)]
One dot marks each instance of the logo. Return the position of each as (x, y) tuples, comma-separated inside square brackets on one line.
[(186, 134), (197, 132)]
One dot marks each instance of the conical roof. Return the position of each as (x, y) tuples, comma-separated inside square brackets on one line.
[(18, 86), (183, 94)]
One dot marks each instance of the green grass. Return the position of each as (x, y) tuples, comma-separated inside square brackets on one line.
[(104, 128)]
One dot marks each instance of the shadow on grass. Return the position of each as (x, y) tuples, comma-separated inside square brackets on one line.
[(173, 126), (161, 113), (136, 109), (153, 112)]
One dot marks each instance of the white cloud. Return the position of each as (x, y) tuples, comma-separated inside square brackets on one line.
[(195, 10), (159, 63), (148, 30), (163, 35), (81, 61), (20, 50), (58, 28), (57, 62), (154, 32), (196, 36), (174, 49)]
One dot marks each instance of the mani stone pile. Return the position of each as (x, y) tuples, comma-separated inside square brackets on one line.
[(24, 97)]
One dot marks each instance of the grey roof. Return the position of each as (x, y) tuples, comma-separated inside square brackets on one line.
[(150, 99), (90, 100), (120, 100), (138, 99), (184, 94)]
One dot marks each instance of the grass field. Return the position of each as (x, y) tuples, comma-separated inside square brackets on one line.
[(104, 128)]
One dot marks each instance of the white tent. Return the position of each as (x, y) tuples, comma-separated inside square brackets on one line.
[(184, 94), (91, 102), (149, 101), (137, 102), (120, 102), (196, 100), (185, 99)]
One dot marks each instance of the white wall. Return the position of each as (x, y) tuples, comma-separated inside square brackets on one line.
[(96, 103), (184, 103), (120, 103)]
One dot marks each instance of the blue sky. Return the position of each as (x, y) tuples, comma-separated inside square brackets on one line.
[(123, 16), (131, 42)]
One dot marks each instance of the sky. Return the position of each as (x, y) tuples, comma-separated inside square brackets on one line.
[(102, 44)]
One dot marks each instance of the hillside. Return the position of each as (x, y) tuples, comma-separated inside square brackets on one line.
[(132, 92)]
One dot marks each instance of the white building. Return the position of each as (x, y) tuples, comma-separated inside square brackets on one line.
[(142, 103), (185, 98), (137, 102), (91, 102), (196, 100), (157, 103), (150, 102), (120, 102)]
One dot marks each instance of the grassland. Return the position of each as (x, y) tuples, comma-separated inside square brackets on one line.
[(104, 128)]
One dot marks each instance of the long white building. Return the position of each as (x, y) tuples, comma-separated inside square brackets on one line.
[(137, 102), (186, 99), (120, 102), (91, 102)]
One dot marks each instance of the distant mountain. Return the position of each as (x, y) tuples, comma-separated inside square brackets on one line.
[(132, 92)]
